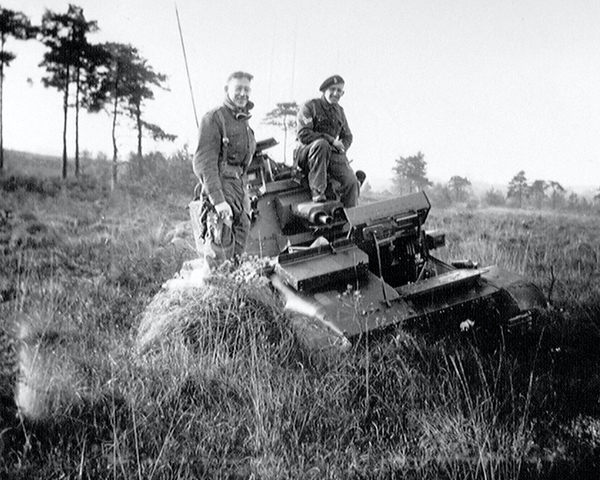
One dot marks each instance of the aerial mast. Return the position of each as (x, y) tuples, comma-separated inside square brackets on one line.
[(187, 69)]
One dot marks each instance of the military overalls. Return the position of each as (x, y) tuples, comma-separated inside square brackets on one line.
[(224, 132), (319, 125)]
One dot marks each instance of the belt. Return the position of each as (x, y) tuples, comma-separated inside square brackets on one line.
[(232, 171)]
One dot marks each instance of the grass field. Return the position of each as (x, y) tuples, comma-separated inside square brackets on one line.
[(226, 390)]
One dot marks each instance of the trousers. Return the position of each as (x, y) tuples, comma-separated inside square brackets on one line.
[(226, 238), (320, 161)]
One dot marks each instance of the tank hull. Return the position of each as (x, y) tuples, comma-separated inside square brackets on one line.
[(455, 301), (370, 269)]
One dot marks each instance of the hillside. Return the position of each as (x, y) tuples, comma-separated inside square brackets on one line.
[(26, 163)]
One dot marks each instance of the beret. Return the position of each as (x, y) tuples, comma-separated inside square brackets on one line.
[(333, 80)]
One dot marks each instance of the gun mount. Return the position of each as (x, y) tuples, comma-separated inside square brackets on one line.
[(380, 253)]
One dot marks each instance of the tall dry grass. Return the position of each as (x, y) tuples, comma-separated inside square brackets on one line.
[(140, 381)]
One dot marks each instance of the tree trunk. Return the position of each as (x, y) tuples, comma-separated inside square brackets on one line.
[(520, 198), (285, 139), (78, 80), (65, 112), (1, 134), (138, 115), (113, 183)]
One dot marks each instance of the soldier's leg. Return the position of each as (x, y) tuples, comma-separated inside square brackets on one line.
[(237, 197), (319, 153), (241, 227), (219, 242), (340, 169)]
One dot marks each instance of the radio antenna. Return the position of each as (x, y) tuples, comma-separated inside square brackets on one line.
[(187, 69)]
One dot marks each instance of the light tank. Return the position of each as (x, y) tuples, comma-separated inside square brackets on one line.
[(370, 269)]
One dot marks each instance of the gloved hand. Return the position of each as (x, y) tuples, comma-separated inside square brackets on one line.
[(339, 146), (223, 210)]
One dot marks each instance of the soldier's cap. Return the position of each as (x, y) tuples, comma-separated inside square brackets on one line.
[(333, 80)]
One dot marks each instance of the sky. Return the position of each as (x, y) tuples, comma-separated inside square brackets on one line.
[(484, 89)]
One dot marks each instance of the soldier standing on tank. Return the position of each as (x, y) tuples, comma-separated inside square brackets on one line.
[(324, 137), (226, 145)]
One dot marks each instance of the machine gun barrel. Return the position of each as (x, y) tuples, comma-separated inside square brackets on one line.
[(317, 213), (322, 218)]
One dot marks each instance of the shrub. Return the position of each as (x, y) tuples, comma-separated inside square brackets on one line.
[(494, 198), (156, 176)]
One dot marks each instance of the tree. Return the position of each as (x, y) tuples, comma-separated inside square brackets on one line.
[(65, 36), (125, 84), (538, 192), (91, 58), (157, 134), (573, 202), (596, 198), (411, 172), (558, 193), (459, 186), (137, 83), (584, 204), (16, 25), (494, 198), (112, 91), (518, 188), (440, 196), (284, 116)]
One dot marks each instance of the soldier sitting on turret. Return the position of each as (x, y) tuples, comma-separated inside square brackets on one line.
[(324, 137)]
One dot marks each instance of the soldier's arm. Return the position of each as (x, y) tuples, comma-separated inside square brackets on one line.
[(306, 132), (345, 134), (206, 159)]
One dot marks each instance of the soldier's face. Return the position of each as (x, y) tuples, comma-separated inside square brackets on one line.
[(238, 90), (334, 93)]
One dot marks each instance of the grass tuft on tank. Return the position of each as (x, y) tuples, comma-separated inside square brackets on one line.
[(233, 311)]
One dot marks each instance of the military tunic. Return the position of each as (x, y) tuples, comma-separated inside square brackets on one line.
[(319, 125), (223, 179)]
